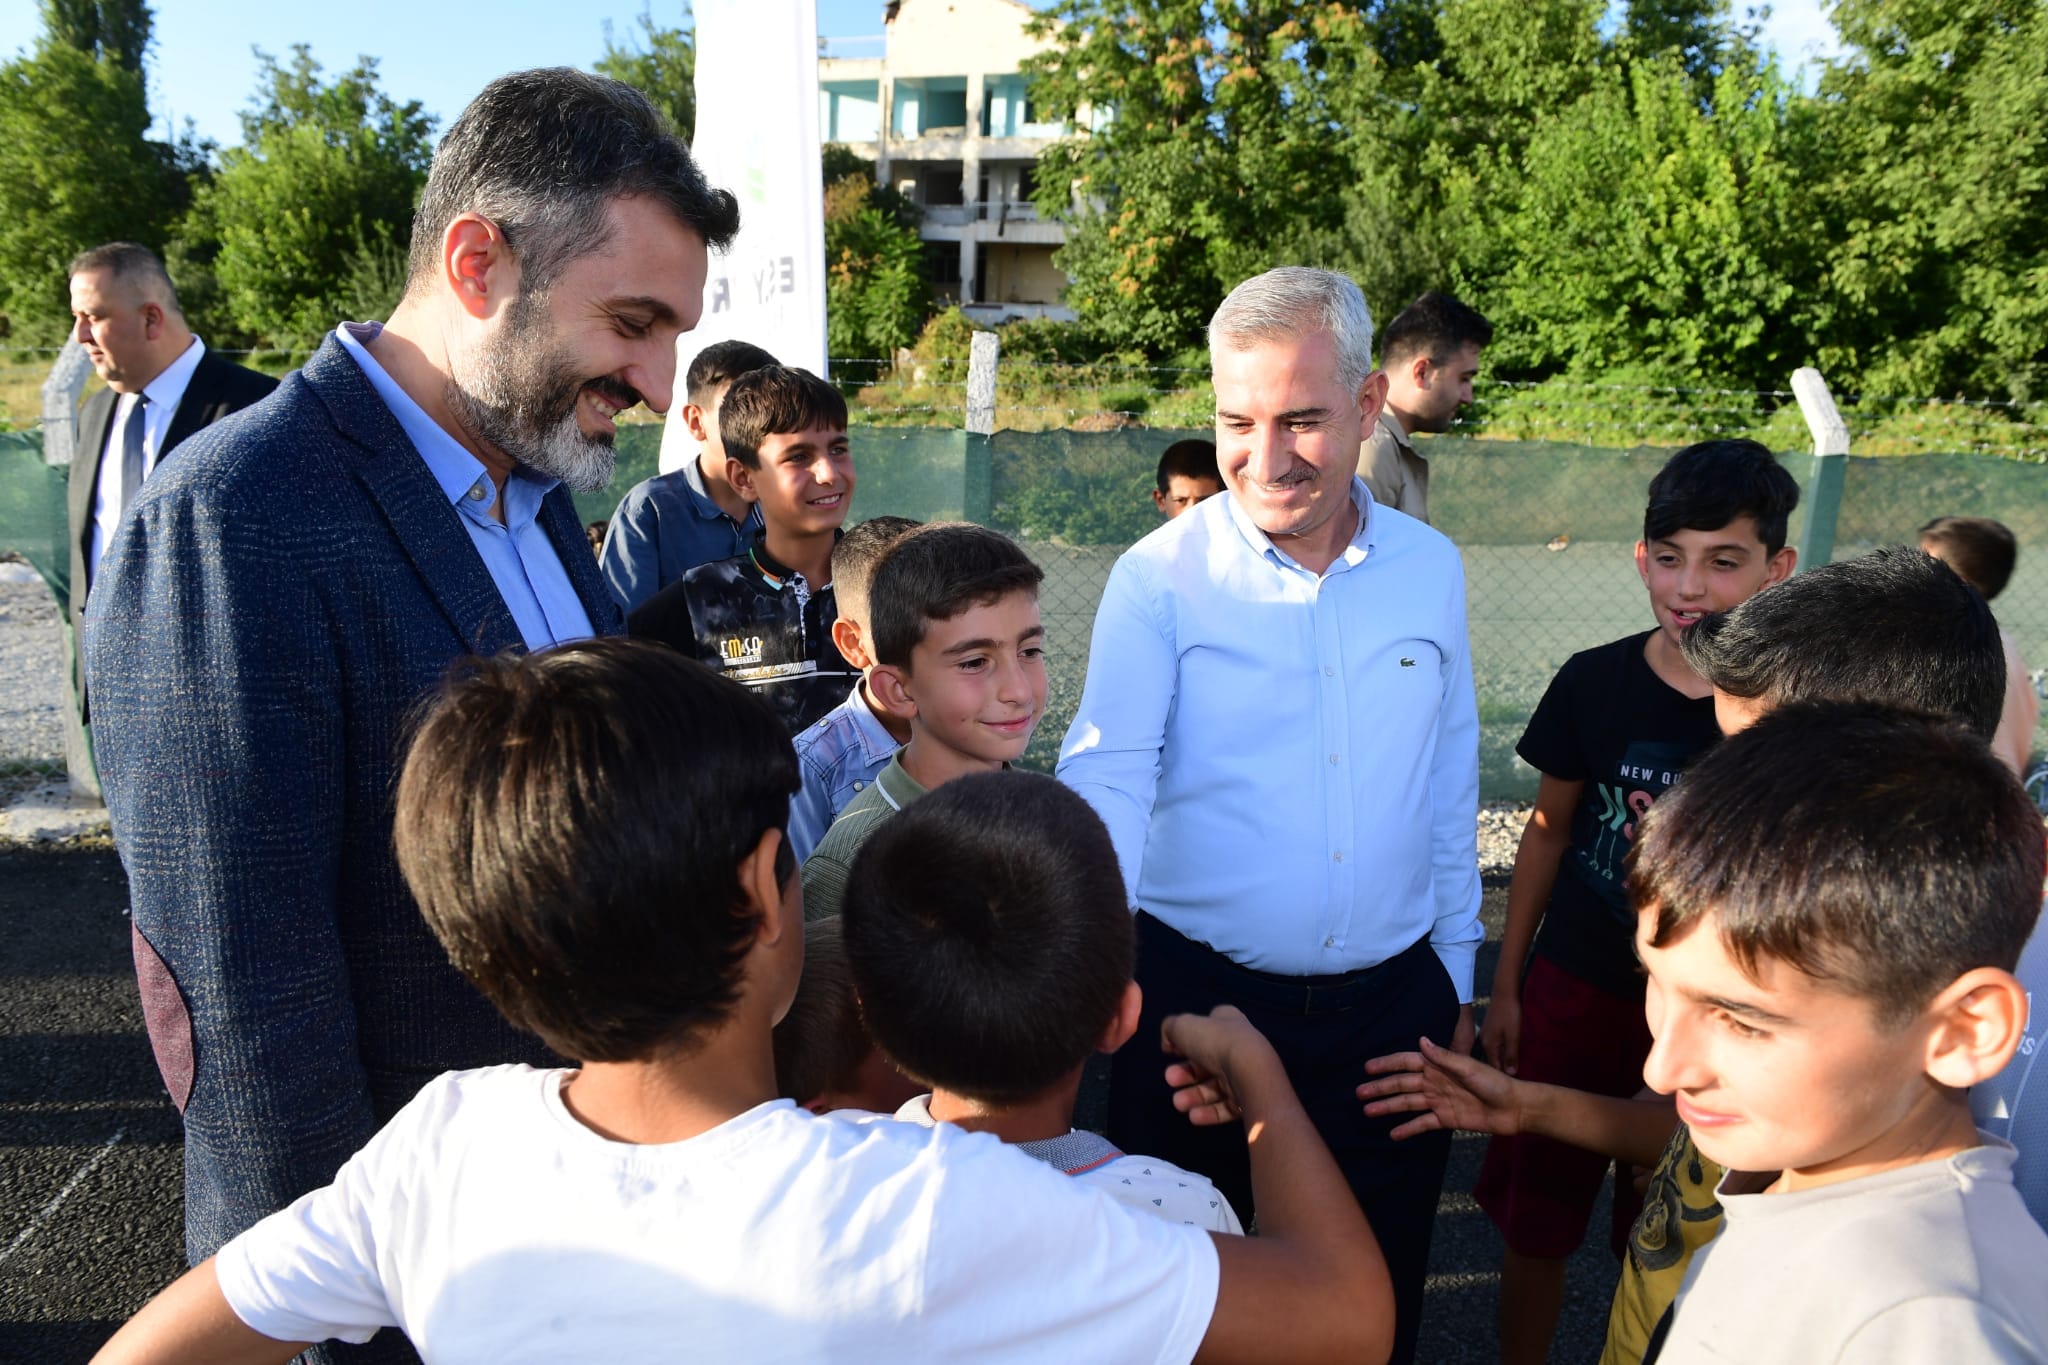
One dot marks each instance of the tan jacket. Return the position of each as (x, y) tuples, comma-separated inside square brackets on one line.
[(1397, 476)]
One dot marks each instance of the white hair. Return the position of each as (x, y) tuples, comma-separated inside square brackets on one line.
[(1294, 301)]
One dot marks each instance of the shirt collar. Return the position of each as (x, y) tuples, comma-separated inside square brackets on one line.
[(898, 787), (773, 571), (1393, 427), (166, 390), (1360, 546), (453, 467), (875, 740)]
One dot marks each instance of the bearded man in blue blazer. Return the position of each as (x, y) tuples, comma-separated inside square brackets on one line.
[(289, 588)]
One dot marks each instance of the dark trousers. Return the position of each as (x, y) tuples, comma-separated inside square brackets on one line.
[(1323, 1028)]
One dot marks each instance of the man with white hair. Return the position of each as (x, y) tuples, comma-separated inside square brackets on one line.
[(1279, 730)]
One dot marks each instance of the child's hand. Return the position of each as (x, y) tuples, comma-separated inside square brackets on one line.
[(1502, 1032), (1215, 1047), (1448, 1091)]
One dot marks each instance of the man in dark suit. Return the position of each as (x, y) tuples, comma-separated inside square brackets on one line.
[(162, 385), (288, 590)]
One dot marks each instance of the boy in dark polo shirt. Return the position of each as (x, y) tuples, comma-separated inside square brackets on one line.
[(764, 618)]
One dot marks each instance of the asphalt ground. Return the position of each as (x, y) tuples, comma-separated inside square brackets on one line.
[(91, 1184)]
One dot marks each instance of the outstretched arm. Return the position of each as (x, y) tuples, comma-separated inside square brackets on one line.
[(1312, 1286), (191, 1321), (1445, 1090)]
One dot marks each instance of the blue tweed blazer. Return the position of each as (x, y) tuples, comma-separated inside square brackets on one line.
[(284, 594)]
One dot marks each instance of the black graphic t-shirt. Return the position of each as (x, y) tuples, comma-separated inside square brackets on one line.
[(1610, 722), (759, 623)]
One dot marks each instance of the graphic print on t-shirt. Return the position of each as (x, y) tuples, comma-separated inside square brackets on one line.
[(1619, 799)]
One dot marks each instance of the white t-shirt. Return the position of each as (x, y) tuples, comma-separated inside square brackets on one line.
[(491, 1225), (1147, 1184)]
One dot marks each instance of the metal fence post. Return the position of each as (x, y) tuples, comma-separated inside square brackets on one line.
[(978, 476), (61, 389), (1830, 455)]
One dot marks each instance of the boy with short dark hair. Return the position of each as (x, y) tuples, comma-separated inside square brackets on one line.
[(1893, 627), (765, 617), (1830, 906), (849, 745), (671, 523), (1984, 551), (1613, 731), (595, 834), (1187, 474), (960, 656), (824, 1058), (992, 950)]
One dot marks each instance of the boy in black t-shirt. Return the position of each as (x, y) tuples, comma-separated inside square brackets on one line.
[(765, 618), (1616, 727)]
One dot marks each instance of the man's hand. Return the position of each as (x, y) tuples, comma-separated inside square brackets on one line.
[(1215, 1048), (1503, 1032), (1445, 1090), (1463, 1034)]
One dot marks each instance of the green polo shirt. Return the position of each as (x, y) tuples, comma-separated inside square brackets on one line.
[(830, 863)]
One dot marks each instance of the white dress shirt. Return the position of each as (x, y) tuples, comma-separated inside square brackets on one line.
[(1288, 762), (165, 392)]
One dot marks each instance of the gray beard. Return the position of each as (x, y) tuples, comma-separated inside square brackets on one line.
[(519, 394)]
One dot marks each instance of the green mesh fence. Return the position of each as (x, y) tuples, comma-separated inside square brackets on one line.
[(1547, 532)]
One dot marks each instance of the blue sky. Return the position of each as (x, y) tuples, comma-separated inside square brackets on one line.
[(442, 54)]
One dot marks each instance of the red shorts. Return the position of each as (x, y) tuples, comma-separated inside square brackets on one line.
[(1540, 1192)]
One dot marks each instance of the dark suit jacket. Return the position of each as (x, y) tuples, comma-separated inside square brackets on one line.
[(218, 387), (282, 596)]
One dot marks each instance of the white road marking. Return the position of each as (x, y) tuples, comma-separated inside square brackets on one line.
[(91, 1164)]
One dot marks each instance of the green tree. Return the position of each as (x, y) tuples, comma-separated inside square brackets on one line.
[(662, 66), (317, 202), (1207, 143), (1936, 202), (1651, 232), (118, 30), (875, 294), (76, 159)]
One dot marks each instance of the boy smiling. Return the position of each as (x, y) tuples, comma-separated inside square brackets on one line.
[(960, 655), (765, 618), (1615, 728), (1830, 908)]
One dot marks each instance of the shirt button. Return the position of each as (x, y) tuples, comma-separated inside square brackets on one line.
[(1333, 758), (1329, 672), (1339, 856), (858, 785), (1330, 942), (477, 494)]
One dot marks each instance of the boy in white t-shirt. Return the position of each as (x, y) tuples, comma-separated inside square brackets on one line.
[(991, 947), (595, 833)]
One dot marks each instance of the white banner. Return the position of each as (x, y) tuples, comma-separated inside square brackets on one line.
[(757, 135)]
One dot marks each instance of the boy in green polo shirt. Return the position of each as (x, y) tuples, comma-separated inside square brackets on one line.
[(960, 655)]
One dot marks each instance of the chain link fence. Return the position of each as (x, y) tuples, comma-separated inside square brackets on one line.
[(1542, 490)]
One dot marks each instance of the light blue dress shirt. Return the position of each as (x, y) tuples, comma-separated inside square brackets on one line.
[(838, 755), (1288, 762), (521, 559)]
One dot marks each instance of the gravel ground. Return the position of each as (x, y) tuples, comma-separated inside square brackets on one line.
[(31, 676)]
